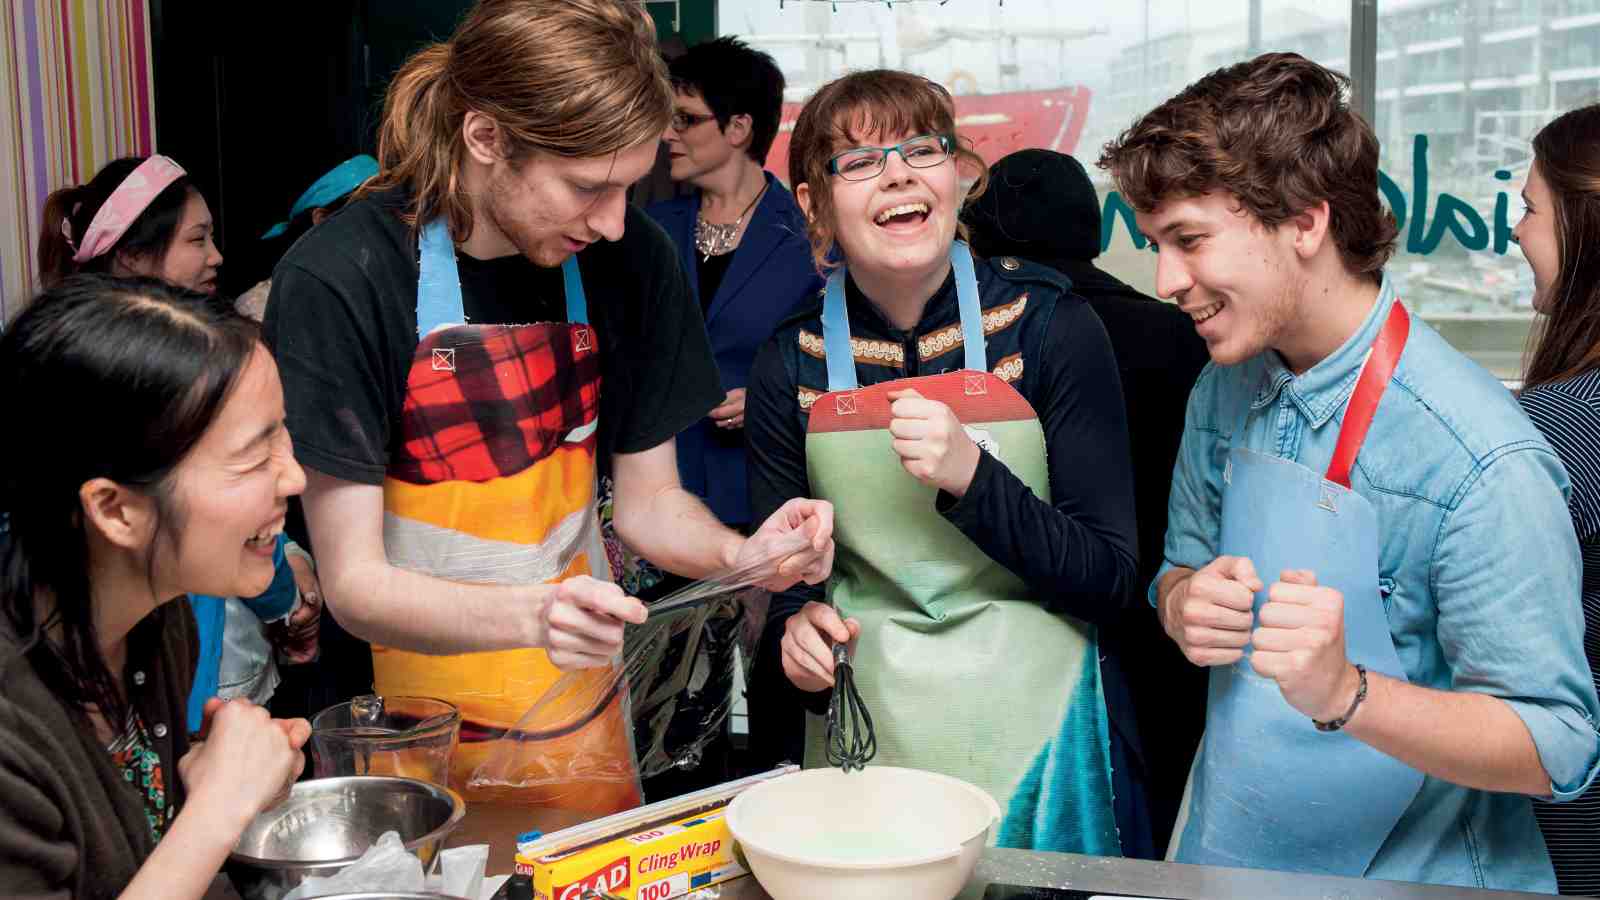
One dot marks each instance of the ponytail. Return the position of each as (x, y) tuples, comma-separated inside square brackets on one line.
[(419, 143), (55, 250)]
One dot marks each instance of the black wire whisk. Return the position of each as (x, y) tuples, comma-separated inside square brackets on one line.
[(851, 740)]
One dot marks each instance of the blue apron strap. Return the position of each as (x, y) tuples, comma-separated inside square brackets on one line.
[(840, 357), (836, 322), (439, 283), (971, 312), (572, 283), (210, 622)]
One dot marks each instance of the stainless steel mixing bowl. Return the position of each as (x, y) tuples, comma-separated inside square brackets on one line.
[(327, 823)]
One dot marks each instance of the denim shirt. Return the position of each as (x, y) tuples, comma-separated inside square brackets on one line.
[(1479, 568)]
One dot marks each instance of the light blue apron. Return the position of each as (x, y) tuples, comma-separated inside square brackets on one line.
[(1268, 790)]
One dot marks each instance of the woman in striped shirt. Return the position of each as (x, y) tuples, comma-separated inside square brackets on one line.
[(1560, 237)]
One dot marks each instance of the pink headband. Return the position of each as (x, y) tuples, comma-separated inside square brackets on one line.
[(124, 205)]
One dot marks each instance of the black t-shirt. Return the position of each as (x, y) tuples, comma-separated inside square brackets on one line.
[(342, 324)]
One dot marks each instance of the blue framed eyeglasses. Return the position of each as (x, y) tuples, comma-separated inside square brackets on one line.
[(921, 152)]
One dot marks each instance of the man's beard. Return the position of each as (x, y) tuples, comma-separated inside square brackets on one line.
[(540, 253)]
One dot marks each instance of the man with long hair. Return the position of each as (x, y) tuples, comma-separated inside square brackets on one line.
[(1367, 542), (453, 446)]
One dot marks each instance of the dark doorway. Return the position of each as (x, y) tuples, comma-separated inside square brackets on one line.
[(258, 102)]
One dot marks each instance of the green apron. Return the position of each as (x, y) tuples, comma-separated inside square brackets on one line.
[(964, 673)]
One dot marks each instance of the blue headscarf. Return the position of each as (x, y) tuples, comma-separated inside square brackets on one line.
[(340, 180)]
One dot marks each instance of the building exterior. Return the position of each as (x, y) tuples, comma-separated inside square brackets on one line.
[(1474, 79)]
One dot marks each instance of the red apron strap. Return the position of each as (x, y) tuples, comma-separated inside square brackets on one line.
[(1369, 390)]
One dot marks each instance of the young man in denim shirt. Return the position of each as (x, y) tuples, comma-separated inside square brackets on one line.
[(1258, 187)]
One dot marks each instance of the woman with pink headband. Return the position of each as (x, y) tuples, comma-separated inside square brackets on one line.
[(135, 217)]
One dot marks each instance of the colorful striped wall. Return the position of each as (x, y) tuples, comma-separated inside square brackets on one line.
[(75, 93)]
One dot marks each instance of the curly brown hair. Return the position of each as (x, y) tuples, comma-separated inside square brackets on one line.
[(1278, 134), (846, 111)]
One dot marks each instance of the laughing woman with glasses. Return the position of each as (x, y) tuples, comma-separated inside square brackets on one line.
[(965, 417)]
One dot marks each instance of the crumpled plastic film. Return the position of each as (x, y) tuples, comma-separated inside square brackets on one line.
[(387, 866), (677, 669)]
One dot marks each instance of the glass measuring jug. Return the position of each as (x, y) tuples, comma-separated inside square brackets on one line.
[(412, 737)]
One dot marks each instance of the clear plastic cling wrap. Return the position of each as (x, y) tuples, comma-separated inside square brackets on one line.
[(678, 671)]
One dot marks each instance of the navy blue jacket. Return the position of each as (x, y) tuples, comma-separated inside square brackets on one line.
[(771, 275)]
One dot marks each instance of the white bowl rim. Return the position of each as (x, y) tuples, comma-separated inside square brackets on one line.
[(458, 811), (895, 862)]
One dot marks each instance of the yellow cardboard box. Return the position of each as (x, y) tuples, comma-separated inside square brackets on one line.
[(654, 864)]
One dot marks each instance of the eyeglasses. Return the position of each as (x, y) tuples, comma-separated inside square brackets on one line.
[(682, 121), (921, 152)]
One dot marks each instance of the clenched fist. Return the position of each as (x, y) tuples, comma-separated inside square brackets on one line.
[(931, 442), (1300, 645), (1208, 612)]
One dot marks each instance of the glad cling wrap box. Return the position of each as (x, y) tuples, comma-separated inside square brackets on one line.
[(666, 849), (669, 860)]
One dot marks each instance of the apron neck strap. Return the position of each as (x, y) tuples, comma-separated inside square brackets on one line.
[(836, 321), (1374, 379), (971, 312), (572, 287), (439, 283)]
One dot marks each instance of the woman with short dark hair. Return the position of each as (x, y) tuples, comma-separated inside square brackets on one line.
[(741, 240)]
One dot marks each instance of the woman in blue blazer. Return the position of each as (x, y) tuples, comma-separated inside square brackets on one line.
[(742, 241)]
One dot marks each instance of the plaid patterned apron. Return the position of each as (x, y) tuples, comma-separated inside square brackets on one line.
[(494, 483)]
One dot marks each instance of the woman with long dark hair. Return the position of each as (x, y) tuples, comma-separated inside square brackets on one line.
[(136, 216), (167, 472), (1560, 237)]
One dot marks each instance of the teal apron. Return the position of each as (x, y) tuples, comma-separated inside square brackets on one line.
[(964, 673), (1268, 790)]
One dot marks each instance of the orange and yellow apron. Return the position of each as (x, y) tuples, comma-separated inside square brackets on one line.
[(493, 482)]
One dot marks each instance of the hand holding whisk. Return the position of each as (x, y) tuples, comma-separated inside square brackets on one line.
[(851, 741)]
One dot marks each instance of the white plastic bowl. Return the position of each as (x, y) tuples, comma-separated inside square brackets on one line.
[(879, 833)]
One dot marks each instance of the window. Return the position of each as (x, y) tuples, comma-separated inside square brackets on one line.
[(1462, 85), (1036, 73), (1468, 85)]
